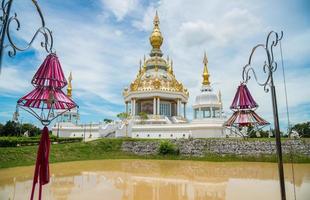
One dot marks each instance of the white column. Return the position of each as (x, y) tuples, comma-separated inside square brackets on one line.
[(221, 111), (199, 115), (184, 110), (178, 107), (158, 106), (211, 110), (154, 106), (131, 106), (134, 107)]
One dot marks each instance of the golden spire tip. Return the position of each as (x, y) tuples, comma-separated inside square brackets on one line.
[(69, 88), (205, 74)]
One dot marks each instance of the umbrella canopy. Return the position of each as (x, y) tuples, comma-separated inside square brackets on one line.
[(46, 98), (47, 95), (50, 73), (243, 99), (242, 118)]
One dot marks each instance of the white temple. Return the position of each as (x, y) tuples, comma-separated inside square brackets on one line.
[(155, 103)]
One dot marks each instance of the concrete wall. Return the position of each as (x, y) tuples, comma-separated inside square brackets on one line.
[(199, 147), (175, 131)]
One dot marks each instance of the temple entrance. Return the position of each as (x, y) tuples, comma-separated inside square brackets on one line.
[(165, 109), (147, 107)]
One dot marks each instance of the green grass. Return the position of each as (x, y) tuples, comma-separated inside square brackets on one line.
[(111, 149)]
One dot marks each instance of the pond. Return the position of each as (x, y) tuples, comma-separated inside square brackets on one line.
[(158, 180)]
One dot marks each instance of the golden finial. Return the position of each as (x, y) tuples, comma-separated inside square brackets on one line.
[(156, 38), (170, 69), (205, 74), (69, 88)]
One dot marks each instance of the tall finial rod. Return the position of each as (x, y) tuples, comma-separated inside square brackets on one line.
[(205, 74), (69, 88), (156, 19)]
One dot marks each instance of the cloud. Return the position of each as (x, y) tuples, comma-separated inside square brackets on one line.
[(120, 8), (12, 81), (104, 53)]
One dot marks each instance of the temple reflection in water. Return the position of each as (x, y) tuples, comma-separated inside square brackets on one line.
[(157, 180)]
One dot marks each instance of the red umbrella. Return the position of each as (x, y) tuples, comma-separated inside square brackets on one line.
[(42, 103), (243, 99), (245, 118), (243, 106), (50, 73)]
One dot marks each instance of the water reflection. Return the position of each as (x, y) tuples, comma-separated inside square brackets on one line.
[(157, 180)]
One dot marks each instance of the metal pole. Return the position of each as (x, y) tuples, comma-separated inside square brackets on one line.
[(276, 128), (84, 131), (272, 41), (21, 126), (58, 129), (4, 30), (278, 139)]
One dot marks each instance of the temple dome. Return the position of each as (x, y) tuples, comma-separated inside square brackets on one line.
[(207, 97)]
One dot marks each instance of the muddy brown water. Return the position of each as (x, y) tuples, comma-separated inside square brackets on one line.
[(158, 180)]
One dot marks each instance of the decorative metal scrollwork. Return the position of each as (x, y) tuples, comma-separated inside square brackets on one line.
[(6, 21), (270, 65)]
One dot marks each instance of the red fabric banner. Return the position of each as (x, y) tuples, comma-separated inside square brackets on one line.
[(42, 172)]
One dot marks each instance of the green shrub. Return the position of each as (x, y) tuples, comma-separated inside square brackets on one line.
[(167, 148), (30, 141)]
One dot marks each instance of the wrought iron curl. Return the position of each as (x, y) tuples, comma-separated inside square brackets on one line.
[(269, 66), (46, 43)]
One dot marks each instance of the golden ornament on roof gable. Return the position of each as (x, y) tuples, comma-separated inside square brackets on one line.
[(156, 83)]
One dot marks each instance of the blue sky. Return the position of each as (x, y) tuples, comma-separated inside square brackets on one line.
[(102, 41)]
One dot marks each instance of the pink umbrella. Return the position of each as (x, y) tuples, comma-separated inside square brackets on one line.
[(243, 106), (50, 73), (243, 99), (245, 118), (42, 103)]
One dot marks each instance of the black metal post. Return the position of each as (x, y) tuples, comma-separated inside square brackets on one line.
[(269, 67), (278, 139), (58, 129), (6, 14)]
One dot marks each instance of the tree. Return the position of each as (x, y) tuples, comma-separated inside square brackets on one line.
[(10, 129), (303, 129), (1, 128), (32, 129), (108, 120), (122, 116)]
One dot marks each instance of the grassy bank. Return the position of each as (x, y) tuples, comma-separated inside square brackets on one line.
[(111, 149)]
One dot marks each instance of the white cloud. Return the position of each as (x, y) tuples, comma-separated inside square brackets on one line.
[(120, 8), (12, 81), (104, 56)]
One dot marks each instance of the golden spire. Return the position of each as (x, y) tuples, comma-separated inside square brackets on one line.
[(170, 69), (69, 88), (156, 38), (205, 74)]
